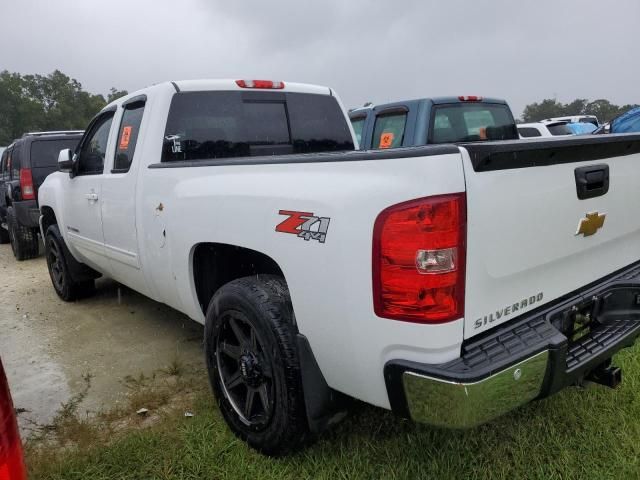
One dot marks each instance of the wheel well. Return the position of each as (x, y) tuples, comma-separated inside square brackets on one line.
[(48, 218), (216, 264)]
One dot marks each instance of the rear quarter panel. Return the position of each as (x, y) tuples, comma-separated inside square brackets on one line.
[(331, 282)]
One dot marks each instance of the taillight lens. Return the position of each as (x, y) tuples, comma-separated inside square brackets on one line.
[(11, 462), (270, 84), (419, 260), (26, 184)]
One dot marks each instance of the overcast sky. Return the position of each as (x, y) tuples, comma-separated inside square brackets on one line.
[(376, 51)]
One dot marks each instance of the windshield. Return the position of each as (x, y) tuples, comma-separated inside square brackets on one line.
[(472, 122)]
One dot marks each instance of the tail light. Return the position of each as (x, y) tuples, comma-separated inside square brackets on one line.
[(26, 184), (260, 84), (11, 462), (419, 260), (470, 98)]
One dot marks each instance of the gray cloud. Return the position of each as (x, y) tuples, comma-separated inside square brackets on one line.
[(368, 51)]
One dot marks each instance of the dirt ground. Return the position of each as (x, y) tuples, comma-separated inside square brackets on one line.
[(49, 348)]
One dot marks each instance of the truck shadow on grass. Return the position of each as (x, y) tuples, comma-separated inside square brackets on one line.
[(579, 433)]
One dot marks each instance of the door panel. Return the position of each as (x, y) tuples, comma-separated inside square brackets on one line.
[(119, 200), (83, 219), (83, 195)]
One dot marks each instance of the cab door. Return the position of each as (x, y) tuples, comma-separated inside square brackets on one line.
[(83, 218), (119, 189)]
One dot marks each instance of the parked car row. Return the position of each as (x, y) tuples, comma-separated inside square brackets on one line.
[(450, 282), (460, 119), (554, 128)]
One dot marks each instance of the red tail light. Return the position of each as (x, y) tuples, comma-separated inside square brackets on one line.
[(11, 463), (26, 184), (470, 98), (260, 84), (419, 260)]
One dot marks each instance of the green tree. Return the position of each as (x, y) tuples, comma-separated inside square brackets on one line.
[(603, 109), (115, 94), (539, 111), (45, 102)]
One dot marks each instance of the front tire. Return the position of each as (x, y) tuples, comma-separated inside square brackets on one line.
[(24, 240), (63, 283), (252, 360)]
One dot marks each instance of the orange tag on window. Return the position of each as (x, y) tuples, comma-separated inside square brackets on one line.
[(125, 137), (386, 140)]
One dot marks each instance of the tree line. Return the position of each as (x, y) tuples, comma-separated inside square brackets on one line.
[(57, 102), (46, 102), (548, 108)]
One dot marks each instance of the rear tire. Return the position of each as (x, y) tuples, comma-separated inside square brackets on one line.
[(63, 283), (24, 240), (252, 360)]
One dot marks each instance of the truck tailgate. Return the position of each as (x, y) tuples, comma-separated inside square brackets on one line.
[(530, 238)]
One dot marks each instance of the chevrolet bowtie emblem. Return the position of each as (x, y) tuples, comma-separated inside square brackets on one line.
[(591, 224)]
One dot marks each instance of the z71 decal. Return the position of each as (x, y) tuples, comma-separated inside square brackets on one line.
[(305, 225)]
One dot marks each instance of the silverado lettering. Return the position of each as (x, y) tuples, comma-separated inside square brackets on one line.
[(509, 310)]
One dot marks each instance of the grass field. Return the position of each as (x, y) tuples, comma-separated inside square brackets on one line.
[(586, 433)]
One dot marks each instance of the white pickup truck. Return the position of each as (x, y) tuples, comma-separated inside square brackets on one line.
[(448, 283)]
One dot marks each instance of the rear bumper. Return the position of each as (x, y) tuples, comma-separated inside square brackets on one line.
[(527, 359), (27, 213)]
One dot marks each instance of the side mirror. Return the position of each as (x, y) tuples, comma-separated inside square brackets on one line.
[(65, 161)]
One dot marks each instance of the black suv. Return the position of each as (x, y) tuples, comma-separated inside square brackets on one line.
[(23, 167)]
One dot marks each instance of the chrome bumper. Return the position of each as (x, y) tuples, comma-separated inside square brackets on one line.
[(461, 405), (528, 358)]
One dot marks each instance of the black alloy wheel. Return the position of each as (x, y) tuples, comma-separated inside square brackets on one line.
[(245, 371)]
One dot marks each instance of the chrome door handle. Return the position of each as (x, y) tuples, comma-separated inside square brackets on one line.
[(92, 197)]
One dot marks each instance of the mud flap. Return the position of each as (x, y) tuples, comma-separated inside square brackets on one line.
[(324, 405)]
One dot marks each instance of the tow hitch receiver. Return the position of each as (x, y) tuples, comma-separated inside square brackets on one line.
[(607, 375)]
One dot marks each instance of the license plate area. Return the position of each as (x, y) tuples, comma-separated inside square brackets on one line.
[(577, 321)]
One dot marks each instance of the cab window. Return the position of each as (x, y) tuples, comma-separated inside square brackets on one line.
[(94, 147), (471, 122), (358, 125), (389, 130), (527, 132), (128, 136)]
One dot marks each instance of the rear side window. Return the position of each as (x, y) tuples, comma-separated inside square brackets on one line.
[(15, 161), (358, 125), (208, 125), (560, 129), (529, 132), (471, 122), (388, 131), (128, 137), (44, 153)]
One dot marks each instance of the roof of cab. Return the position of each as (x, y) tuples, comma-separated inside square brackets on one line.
[(228, 84), (219, 85), (360, 111)]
